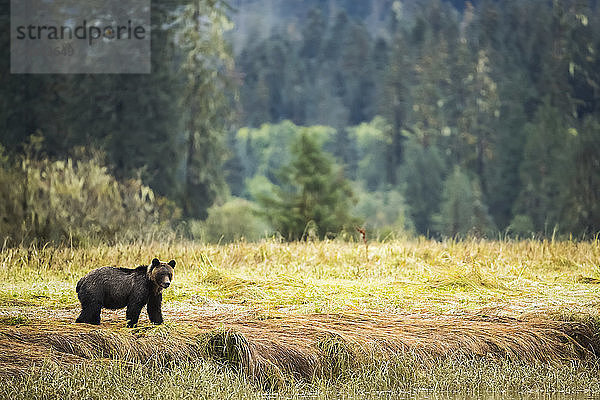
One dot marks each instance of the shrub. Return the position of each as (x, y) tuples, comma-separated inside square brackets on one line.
[(76, 201), (384, 213), (237, 219)]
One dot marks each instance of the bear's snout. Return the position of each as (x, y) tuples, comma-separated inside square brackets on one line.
[(166, 282)]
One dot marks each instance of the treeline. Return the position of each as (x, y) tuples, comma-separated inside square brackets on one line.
[(412, 117), (487, 119), (301, 190)]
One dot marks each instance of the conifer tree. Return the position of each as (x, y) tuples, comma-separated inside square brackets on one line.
[(462, 211), (313, 198), (545, 170), (582, 211), (206, 65), (395, 104), (423, 173)]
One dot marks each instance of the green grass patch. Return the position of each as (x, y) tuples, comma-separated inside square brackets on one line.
[(14, 320)]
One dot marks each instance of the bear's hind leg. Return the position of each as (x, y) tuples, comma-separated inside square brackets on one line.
[(90, 314)]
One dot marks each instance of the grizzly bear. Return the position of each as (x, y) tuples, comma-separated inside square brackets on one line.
[(115, 288)]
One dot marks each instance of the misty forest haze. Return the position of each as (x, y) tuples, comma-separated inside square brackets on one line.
[(307, 119)]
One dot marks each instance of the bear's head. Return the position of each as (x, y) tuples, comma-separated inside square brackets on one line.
[(161, 273)]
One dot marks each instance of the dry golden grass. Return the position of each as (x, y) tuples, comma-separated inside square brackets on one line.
[(300, 346)]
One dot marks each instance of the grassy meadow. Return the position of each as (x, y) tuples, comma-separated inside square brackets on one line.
[(325, 319)]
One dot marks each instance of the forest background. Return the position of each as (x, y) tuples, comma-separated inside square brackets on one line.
[(308, 119)]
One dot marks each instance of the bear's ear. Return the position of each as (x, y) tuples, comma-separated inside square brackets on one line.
[(155, 263), (172, 264)]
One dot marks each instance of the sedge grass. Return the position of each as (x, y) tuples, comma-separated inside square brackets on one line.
[(330, 276), (400, 379)]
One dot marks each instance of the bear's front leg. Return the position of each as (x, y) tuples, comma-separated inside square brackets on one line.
[(133, 314), (154, 308)]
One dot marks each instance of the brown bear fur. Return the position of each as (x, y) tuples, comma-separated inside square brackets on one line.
[(115, 288)]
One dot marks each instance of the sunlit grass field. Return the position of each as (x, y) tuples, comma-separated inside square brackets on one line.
[(330, 276), (263, 297)]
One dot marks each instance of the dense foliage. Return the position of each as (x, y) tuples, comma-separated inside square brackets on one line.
[(77, 202), (165, 126), (492, 106), (443, 118)]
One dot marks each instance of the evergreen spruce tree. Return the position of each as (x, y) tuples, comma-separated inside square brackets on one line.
[(582, 211), (312, 35), (395, 103), (462, 211), (545, 170), (314, 197), (456, 212), (206, 67), (423, 173)]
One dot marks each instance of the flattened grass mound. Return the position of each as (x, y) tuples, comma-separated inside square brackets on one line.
[(303, 346)]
